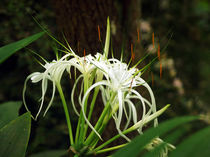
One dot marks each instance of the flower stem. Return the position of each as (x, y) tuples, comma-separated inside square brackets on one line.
[(110, 140), (78, 128), (91, 108), (92, 135), (66, 113), (82, 125), (111, 148)]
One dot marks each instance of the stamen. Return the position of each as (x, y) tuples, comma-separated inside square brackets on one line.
[(153, 39), (99, 33), (132, 53), (138, 38), (160, 70), (159, 51), (131, 84)]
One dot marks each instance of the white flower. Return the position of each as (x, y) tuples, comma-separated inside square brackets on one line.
[(53, 72), (83, 64), (157, 142), (120, 80), (86, 69)]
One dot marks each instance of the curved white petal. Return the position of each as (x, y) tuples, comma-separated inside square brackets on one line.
[(51, 100), (83, 103), (72, 94)]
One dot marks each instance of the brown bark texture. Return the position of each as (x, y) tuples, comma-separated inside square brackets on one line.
[(79, 21)]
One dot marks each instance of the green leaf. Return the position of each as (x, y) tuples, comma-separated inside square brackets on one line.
[(197, 145), (50, 153), (138, 144), (9, 111), (14, 137), (7, 50), (107, 41)]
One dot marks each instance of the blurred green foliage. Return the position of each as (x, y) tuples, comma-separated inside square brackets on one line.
[(14, 136), (9, 111), (188, 50)]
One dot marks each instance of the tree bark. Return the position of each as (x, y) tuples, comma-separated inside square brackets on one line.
[(79, 21)]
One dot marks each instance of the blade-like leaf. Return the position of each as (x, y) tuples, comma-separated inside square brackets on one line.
[(138, 144), (8, 50), (50, 153), (14, 137), (107, 42), (8, 112), (197, 145)]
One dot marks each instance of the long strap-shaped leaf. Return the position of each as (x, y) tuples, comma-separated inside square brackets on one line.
[(7, 50), (197, 145), (138, 144)]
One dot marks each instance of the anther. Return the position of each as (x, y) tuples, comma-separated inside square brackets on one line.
[(99, 33), (132, 53), (159, 51)]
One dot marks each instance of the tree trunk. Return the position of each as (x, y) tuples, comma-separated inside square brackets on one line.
[(79, 21)]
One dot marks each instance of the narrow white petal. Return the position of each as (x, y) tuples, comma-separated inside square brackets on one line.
[(72, 94), (24, 91), (51, 100)]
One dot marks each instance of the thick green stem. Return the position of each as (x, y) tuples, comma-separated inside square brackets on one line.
[(98, 125), (112, 139), (91, 108), (66, 113), (82, 125), (78, 128), (105, 122), (100, 131)]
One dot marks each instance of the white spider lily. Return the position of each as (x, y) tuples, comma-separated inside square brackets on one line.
[(157, 142), (121, 80), (83, 64), (86, 68), (53, 72)]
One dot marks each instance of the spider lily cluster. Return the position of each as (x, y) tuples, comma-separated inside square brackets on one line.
[(115, 81)]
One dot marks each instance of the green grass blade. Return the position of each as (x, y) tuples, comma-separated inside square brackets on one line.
[(14, 137), (7, 50)]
